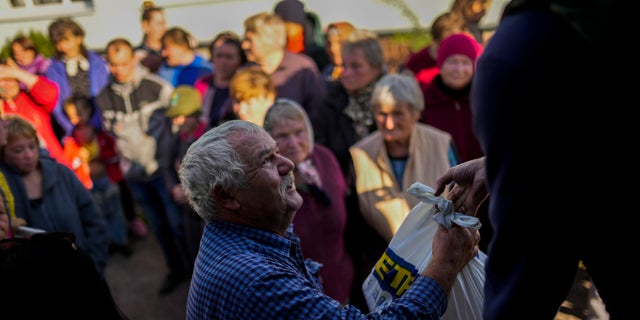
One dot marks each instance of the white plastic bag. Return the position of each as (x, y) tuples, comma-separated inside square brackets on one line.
[(409, 253)]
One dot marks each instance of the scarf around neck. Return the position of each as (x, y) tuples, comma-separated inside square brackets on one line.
[(360, 111)]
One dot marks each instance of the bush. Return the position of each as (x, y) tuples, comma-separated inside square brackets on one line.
[(416, 39), (397, 46)]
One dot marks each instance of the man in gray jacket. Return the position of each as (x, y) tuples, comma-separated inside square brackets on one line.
[(133, 107)]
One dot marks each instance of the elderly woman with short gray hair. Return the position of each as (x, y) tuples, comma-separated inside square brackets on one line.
[(402, 151)]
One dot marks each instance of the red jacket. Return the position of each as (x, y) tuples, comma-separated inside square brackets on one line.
[(80, 167), (36, 107), (107, 152), (420, 60), (450, 110)]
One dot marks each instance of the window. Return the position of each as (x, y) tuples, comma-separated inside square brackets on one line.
[(17, 3), (26, 10)]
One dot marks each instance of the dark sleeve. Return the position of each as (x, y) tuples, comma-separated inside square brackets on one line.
[(93, 223), (316, 93), (169, 154), (160, 129)]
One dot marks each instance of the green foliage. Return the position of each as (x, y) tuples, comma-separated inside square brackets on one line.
[(40, 40), (415, 39)]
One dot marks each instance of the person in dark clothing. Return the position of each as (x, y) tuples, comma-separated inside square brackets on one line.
[(346, 118), (46, 276), (537, 62)]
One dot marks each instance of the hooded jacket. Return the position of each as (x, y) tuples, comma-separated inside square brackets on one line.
[(66, 206)]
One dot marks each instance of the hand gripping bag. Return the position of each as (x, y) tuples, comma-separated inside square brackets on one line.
[(409, 253)]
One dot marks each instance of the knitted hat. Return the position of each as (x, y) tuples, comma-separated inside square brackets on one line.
[(291, 10), (185, 101), (458, 43)]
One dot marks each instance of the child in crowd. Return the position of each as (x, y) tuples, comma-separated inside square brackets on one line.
[(95, 153), (252, 92), (185, 110)]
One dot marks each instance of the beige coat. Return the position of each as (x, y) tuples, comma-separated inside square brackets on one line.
[(383, 203)]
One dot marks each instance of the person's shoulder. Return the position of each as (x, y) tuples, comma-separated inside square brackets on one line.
[(336, 92), (147, 78), (231, 247), (300, 59), (204, 80), (325, 155), (8, 172), (51, 166), (102, 95), (142, 47), (56, 68), (96, 58), (426, 76), (41, 64), (429, 130), (44, 83), (322, 150), (415, 57), (372, 141), (155, 78), (201, 62)]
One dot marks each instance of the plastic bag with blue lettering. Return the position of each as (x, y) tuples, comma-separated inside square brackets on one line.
[(409, 253)]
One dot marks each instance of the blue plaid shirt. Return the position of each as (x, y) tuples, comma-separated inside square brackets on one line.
[(245, 273)]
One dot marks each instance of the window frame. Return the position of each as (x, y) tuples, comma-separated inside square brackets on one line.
[(37, 11)]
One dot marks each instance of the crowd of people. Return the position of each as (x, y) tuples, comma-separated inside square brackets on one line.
[(274, 172)]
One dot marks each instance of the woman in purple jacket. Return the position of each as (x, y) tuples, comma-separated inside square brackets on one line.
[(321, 220)]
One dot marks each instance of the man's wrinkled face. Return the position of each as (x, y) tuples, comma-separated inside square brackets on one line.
[(271, 199)]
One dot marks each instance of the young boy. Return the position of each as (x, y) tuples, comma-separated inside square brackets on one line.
[(185, 108)]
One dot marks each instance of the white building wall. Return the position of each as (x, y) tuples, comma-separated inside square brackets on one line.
[(204, 19)]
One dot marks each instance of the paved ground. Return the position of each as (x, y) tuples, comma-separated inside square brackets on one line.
[(134, 282)]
